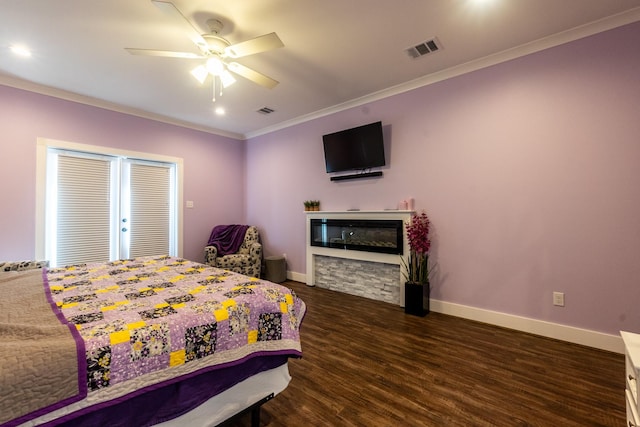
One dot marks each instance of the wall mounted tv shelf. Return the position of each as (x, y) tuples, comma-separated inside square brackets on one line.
[(356, 176)]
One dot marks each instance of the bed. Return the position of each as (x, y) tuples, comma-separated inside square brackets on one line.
[(148, 341)]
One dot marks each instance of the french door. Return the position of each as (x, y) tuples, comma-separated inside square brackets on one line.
[(105, 207)]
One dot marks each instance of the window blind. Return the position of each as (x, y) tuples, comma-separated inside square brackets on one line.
[(102, 208), (83, 217), (149, 209)]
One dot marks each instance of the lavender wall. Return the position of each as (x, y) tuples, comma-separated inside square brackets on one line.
[(213, 165), (528, 170)]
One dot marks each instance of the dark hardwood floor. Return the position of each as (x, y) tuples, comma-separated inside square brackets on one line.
[(366, 363)]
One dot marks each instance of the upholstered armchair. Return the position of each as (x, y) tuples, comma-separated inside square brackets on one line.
[(22, 265), (247, 260)]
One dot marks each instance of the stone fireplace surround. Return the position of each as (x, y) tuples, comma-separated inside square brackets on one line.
[(369, 274)]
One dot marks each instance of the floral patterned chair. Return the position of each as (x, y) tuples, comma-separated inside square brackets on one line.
[(248, 259), (22, 265)]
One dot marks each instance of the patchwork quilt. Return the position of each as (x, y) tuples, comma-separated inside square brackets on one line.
[(143, 322)]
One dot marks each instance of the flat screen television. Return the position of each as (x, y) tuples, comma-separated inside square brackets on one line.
[(357, 148)]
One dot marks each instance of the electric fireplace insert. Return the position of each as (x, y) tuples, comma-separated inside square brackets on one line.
[(382, 236)]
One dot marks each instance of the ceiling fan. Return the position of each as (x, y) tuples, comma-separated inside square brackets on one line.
[(216, 51)]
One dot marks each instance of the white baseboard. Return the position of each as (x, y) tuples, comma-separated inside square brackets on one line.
[(538, 327), (557, 331), (298, 277)]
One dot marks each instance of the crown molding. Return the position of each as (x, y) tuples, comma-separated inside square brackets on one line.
[(558, 39), (94, 102), (567, 36)]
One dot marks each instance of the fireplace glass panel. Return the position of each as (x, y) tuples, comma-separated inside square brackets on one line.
[(383, 236)]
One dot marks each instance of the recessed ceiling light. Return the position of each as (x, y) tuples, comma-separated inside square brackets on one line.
[(20, 50), (220, 111), (482, 3)]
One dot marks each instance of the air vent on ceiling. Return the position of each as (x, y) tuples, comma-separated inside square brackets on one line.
[(424, 48), (266, 110)]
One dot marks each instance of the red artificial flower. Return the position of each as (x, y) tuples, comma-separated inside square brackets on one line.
[(418, 233), (417, 266)]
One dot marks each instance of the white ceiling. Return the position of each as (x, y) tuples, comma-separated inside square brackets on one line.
[(338, 53)]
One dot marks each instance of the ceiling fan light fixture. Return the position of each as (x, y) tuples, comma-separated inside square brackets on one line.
[(227, 79), (215, 66), (200, 73), (214, 50), (21, 50)]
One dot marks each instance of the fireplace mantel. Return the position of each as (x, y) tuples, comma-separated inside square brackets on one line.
[(314, 251)]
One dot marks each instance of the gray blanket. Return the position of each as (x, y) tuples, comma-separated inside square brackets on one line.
[(38, 357)]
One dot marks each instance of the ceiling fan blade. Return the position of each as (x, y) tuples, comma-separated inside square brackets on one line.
[(252, 75), (166, 53), (170, 9), (252, 46)]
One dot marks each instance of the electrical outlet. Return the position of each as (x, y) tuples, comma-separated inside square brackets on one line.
[(558, 299)]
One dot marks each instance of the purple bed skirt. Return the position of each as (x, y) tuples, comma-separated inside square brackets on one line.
[(169, 401)]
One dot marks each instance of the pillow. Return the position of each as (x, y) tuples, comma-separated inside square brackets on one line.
[(22, 265)]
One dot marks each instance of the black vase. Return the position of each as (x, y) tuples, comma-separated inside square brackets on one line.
[(416, 298)]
